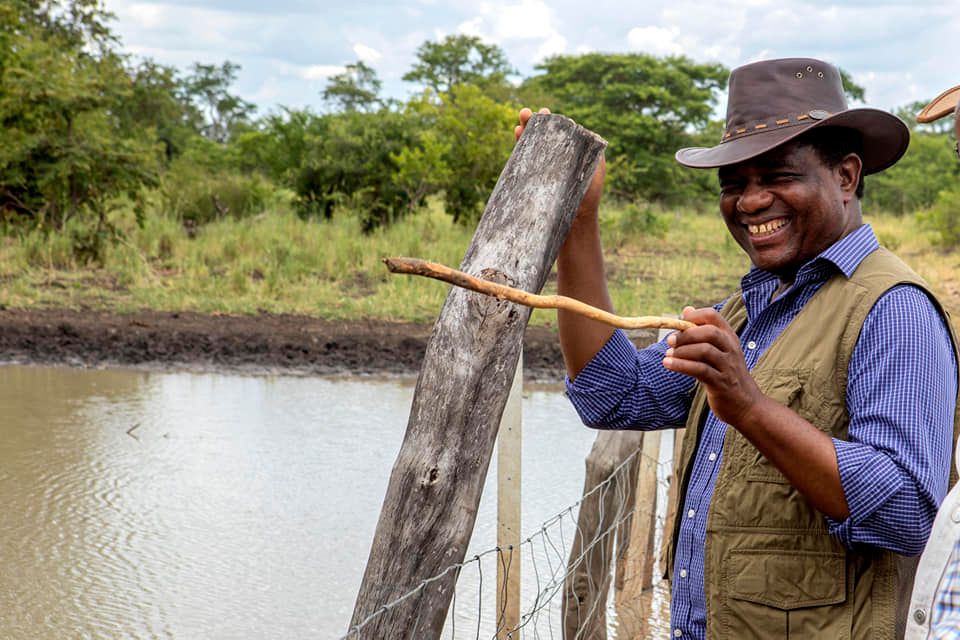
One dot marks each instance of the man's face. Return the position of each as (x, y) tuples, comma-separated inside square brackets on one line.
[(786, 206)]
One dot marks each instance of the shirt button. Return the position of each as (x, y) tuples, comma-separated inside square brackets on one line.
[(691, 513), (920, 616), (712, 456), (683, 573), (751, 345), (956, 515), (677, 633)]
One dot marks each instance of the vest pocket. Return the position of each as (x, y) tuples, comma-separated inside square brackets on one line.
[(773, 593), (786, 387)]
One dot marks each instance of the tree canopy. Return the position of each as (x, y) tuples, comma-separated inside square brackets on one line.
[(87, 126)]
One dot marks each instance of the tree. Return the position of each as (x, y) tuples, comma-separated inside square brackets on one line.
[(80, 25), (349, 160), (854, 92), (207, 88), (67, 151), (279, 144), (459, 60), (647, 108), (478, 138), (356, 89), (157, 101), (421, 169), (914, 182)]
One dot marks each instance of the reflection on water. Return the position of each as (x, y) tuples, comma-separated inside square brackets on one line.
[(178, 505)]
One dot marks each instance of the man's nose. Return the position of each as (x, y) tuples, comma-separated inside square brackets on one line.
[(755, 198)]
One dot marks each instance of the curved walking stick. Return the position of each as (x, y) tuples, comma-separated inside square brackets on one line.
[(415, 266)]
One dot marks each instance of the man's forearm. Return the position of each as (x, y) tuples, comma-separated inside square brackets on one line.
[(804, 454), (580, 275)]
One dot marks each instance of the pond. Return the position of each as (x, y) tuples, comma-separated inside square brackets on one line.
[(186, 505)]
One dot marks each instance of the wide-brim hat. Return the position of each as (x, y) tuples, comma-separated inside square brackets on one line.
[(943, 105), (774, 101)]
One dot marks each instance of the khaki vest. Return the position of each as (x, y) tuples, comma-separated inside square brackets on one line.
[(771, 569)]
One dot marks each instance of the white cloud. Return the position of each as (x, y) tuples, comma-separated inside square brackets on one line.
[(528, 20), (365, 53), (656, 40), (528, 28), (555, 44), (895, 48), (320, 71), (146, 15)]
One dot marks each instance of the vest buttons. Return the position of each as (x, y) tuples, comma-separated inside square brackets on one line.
[(920, 616)]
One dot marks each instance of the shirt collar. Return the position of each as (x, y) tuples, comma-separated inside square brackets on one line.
[(845, 255)]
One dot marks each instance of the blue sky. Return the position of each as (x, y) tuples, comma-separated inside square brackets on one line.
[(897, 49)]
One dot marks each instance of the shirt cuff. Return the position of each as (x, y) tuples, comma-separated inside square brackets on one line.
[(868, 479)]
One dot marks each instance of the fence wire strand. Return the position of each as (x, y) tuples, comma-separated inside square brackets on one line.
[(554, 565)]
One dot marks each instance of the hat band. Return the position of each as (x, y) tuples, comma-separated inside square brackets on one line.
[(761, 126)]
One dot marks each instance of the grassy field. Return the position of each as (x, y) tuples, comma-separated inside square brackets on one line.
[(657, 262)]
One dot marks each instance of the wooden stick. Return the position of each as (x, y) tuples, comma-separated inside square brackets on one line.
[(417, 267)]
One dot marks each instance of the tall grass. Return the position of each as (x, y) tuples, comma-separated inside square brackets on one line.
[(658, 260)]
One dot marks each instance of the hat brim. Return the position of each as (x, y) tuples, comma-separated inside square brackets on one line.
[(885, 139), (943, 105)]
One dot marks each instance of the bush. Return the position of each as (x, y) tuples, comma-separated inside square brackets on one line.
[(642, 219), (198, 197), (914, 182), (944, 219)]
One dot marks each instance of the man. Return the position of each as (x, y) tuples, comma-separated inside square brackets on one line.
[(935, 605), (819, 399)]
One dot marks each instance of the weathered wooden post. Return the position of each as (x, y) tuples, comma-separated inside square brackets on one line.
[(431, 502), (602, 521), (634, 491), (633, 598), (509, 463)]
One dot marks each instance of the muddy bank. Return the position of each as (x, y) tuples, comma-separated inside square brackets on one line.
[(263, 343)]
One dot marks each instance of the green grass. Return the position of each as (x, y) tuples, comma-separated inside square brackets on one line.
[(657, 262)]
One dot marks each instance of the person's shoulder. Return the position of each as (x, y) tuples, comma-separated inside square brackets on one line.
[(911, 312), (906, 301)]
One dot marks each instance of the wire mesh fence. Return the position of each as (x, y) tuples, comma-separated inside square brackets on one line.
[(588, 572)]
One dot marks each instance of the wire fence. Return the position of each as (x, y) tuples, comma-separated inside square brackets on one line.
[(587, 572)]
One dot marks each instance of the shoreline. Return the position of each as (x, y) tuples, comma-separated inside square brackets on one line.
[(265, 344)]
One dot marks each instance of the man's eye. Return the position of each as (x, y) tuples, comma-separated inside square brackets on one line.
[(779, 177)]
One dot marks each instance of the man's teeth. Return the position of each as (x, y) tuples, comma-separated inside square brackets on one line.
[(766, 227)]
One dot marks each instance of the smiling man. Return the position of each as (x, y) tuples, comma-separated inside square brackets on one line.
[(818, 399)]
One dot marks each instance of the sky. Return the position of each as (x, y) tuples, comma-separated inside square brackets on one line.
[(898, 50)]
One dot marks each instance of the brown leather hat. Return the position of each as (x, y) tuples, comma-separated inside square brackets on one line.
[(774, 101), (943, 105)]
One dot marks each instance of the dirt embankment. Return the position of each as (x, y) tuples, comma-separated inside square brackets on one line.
[(264, 343)]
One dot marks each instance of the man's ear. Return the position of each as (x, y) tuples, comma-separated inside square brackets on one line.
[(849, 173)]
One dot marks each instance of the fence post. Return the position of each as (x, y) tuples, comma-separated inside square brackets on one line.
[(509, 448), (430, 507), (633, 597), (633, 600)]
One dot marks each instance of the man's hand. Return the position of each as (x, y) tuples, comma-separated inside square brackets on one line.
[(590, 204), (711, 353)]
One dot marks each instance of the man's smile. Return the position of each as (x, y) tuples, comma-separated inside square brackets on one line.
[(766, 228)]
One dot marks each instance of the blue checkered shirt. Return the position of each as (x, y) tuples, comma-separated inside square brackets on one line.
[(900, 396), (946, 606)]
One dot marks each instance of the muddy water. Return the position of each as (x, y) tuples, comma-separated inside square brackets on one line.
[(184, 506)]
